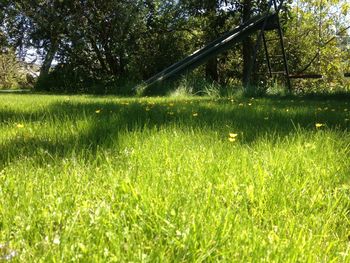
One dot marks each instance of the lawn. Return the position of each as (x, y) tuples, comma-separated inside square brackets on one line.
[(105, 179)]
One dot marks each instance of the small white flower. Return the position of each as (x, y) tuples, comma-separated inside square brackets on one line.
[(56, 240)]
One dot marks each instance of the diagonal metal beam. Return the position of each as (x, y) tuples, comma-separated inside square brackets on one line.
[(214, 48)]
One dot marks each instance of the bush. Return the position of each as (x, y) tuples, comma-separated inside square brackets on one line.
[(65, 78), (12, 76)]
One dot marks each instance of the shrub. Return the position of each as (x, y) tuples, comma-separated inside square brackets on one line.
[(12, 75)]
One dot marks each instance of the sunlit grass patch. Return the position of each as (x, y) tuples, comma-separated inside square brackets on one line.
[(107, 179)]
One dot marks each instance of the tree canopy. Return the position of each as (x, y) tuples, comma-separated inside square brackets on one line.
[(89, 44)]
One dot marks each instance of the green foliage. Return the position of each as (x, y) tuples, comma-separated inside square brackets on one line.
[(11, 73), (72, 79), (104, 179), (101, 44), (313, 32)]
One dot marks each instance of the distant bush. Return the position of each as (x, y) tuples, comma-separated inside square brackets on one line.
[(11, 74), (65, 78)]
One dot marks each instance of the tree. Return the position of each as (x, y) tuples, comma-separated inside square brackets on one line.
[(10, 70), (98, 43), (218, 16), (313, 30), (39, 25), (212, 16)]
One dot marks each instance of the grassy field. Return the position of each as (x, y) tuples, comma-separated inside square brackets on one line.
[(103, 179)]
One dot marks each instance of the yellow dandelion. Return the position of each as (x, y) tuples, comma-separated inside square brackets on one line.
[(232, 135), (19, 125), (98, 111), (232, 139), (195, 114), (319, 125), (250, 104)]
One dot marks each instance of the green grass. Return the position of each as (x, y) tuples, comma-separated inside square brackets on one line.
[(102, 179)]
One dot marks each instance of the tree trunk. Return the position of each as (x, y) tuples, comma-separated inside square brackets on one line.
[(50, 55), (211, 67), (98, 54), (211, 70), (45, 67), (112, 62)]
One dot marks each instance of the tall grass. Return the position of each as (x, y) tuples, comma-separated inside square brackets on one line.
[(102, 179)]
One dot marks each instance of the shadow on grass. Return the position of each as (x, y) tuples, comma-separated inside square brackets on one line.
[(106, 120)]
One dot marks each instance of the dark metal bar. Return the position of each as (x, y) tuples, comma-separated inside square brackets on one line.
[(257, 45), (306, 76), (200, 51), (206, 53), (274, 73), (280, 33), (278, 72), (267, 55), (272, 39)]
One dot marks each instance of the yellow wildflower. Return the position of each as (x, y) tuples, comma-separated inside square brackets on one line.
[(232, 139), (195, 114), (319, 125), (233, 135), (98, 111), (19, 125)]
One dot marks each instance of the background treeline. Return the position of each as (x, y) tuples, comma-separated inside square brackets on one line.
[(109, 46)]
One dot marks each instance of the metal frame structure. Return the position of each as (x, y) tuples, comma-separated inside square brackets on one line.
[(265, 22), (262, 37)]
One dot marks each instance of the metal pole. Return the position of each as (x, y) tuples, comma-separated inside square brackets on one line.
[(280, 33), (260, 36), (267, 56)]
